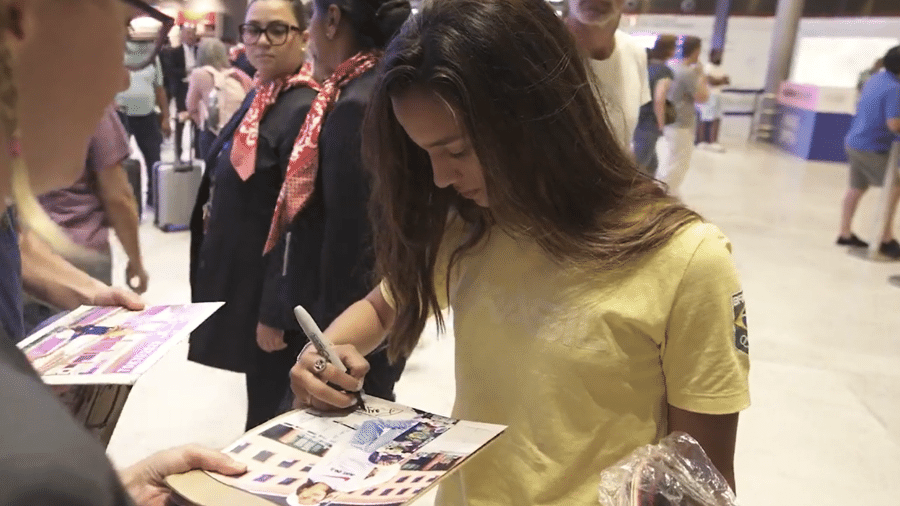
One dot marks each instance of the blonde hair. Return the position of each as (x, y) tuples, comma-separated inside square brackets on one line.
[(31, 216), (212, 52)]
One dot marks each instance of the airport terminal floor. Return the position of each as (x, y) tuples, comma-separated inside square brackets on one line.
[(824, 427)]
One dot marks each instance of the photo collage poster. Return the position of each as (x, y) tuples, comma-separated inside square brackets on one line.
[(386, 454)]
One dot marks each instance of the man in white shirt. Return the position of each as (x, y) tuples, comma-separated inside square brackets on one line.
[(619, 64), (711, 111)]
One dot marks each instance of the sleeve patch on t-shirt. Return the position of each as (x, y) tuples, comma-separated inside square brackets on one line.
[(741, 340)]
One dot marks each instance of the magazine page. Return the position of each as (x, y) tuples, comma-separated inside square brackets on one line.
[(110, 345), (386, 454)]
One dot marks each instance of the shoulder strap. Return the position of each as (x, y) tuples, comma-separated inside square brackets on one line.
[(233, 74), (227, 131), (216, 75)]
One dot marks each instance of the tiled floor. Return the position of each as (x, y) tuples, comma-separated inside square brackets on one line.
[(824, 428)]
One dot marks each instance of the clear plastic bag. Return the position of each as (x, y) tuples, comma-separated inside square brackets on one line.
[(675, 472)]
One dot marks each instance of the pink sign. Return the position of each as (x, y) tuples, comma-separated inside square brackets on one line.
[(801, 96)]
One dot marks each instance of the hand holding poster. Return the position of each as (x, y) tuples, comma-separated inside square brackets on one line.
[(93, 355), (386, 455)]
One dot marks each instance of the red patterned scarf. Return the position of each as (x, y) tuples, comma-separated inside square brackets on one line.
[(243, 151), (303, 166)]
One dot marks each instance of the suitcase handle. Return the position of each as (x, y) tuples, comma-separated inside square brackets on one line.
[(183, 168)]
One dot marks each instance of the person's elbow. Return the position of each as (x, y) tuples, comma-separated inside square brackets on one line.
[(119, 203), (893, 125)]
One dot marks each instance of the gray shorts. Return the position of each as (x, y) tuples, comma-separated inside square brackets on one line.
[(867, 168)]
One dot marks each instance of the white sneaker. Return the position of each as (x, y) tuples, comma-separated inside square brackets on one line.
[(716, 147), (702, 145)]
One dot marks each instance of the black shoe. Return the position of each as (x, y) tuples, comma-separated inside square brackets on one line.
[(852, 241), (890, 249)]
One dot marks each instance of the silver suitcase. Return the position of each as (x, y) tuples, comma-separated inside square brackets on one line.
[(175, 191)]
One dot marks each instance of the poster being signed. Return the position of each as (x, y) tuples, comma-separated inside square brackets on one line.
[(385, 454)]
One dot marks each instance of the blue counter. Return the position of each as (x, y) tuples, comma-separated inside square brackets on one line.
[(812, 121)]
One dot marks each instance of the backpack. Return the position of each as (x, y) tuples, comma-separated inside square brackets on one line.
[(224, 99)]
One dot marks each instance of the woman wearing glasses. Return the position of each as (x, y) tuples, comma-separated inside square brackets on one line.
[(45, 458), (237, 200)]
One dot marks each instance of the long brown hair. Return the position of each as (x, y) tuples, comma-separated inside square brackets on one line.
[(554, 171)]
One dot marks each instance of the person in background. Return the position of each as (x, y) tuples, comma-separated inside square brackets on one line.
[(101, 198), (688, 88), (711, 110), (45, 457), (875, 127), (499, 191), (320, 233), (865, 75), (144, 110), (618, 63), (652, 118), (212, 64), (236, 202), (178, 62)]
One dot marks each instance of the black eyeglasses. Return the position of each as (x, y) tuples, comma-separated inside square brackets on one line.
[(155, 41), (276, 32)]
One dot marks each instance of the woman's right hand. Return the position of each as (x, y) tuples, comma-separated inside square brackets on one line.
[(311, 389), (269, 339)]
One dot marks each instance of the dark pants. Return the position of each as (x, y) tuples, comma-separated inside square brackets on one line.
[(708, 131), (205, 139), (268, 379), (148, 134), (179, 132), (645, 150), (194, 142)]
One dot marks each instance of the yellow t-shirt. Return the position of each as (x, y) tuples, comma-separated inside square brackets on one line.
[(581, 364)]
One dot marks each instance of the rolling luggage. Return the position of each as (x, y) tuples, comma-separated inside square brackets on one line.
[(175, 191)]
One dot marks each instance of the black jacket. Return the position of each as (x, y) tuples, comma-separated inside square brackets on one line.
[(325, 260), (227, 263), (175, 72)]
